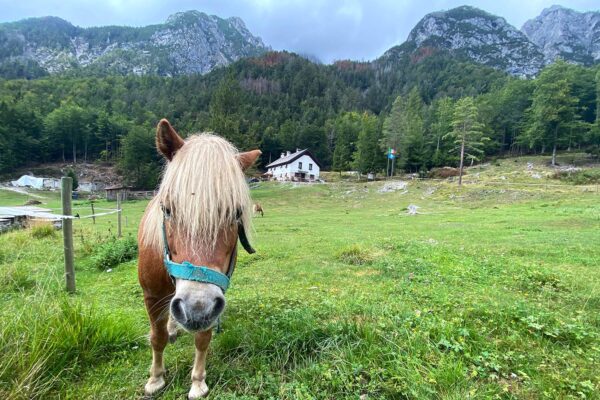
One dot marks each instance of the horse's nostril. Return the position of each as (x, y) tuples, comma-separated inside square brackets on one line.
[(178, 310), (218, 306)]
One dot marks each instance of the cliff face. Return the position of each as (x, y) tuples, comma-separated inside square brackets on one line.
[(190, 42), (562, 32)]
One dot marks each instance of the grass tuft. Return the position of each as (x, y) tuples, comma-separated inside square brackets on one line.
[(355, 255), (42, 230)]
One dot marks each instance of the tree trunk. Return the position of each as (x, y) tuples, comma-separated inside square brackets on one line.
[(74, 153), (462, 159), (554, 147)]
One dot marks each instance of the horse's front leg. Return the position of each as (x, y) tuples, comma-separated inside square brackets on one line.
[(199, 388), (158, 339)]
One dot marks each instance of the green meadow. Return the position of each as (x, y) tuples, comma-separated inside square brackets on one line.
[(492, 291)]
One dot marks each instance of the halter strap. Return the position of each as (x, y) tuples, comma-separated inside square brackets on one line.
[(200, 273)]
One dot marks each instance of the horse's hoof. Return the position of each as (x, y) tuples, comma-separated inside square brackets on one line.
[(172, 337), (153, 385), (198, 390)]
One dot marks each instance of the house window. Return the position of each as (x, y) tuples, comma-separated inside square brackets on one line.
[(309, 166), (300, 165)]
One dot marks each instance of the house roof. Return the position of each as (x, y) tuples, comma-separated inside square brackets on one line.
[(116, 187), (292, 157)]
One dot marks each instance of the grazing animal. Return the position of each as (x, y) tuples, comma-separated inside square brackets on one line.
[(187, 243), (257, 208), (32, 202)]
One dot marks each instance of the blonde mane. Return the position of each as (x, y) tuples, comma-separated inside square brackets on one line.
[(205, 189)]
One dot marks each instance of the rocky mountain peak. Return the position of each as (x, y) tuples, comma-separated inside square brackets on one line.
[(562, 32), (184, 17), (479, 36)]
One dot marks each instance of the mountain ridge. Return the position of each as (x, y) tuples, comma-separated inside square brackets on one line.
[(472, 34), (187, 42), (193, 42)]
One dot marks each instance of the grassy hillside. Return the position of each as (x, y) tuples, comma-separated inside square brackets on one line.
[(490, 292)]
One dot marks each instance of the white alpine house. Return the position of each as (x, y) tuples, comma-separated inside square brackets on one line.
[(300, 166)]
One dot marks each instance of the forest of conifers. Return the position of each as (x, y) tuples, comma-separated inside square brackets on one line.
[(347, 113)]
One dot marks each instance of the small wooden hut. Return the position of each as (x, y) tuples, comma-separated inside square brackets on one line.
[(117, 190)]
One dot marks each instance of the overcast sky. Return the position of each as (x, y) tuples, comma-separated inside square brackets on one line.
[(328, 29)]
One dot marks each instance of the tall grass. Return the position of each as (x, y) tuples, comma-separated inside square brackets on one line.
[(115, 252), (50, 339)]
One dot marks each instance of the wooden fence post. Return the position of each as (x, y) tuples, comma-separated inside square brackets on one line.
[(66, 185), (93, 212), (119, 213)]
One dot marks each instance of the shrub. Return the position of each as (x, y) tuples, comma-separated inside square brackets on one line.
[(114, 253), (580, 177), (445, 172), (42, 230), (71, 174)]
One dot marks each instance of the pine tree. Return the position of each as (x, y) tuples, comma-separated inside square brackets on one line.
[(224, 112), (368, 156), (442, 124), (346, 128), (394, 124), (467, 133), (403, 130), (552, 112)]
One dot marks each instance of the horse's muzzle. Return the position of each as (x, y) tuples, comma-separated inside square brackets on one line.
[(197, 313)]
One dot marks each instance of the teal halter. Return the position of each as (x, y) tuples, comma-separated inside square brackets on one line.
[(199, 273)]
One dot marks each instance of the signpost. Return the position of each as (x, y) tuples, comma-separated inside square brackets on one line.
[(391, 155)]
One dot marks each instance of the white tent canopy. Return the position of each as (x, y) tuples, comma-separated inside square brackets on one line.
[(36, 183), (30, 181)]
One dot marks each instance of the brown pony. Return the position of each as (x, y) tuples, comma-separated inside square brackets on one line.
[(205, 196), (258, 209)]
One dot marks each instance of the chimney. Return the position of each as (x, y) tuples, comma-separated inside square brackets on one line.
[(288, 153), (297, 149), (282, 155)]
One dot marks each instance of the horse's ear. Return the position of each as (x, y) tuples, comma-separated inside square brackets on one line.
[(167, 140), (247, 159)]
